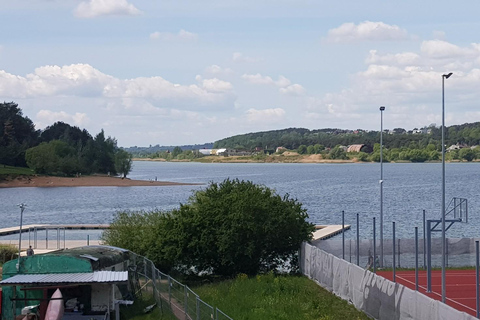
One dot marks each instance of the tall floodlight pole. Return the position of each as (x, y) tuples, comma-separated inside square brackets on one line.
[(382, 108), (22, 208), (445, 76)]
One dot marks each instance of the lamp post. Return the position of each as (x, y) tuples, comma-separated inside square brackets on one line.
[(22, 208), (444, 76), (382, 108)]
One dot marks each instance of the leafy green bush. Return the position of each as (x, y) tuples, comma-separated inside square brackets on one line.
[(228, 228)]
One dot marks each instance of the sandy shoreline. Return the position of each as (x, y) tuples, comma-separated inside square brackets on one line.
[(85, 181)]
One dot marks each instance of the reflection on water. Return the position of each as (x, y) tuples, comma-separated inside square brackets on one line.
[(324, 189)]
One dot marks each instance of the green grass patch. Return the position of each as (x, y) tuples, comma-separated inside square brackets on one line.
[(12, 172), (269, 296)]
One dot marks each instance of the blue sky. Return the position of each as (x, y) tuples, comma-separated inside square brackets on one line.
[(182, 72)]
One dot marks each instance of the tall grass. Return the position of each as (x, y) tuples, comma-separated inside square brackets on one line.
[(7, 252), (269, 296)]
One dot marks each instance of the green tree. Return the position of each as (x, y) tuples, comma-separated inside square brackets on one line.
[(467, 154), (338, 153), (176, 151), (302, 149), (310, 149), (123, 162), (228, 228), (17, 134), (105, 153), (54, 157), (318, 148)]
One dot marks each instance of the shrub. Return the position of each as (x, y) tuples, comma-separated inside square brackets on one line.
[(229, 228)]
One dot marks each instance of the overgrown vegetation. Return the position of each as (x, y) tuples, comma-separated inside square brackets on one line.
[(228, 228), (268, 296), (7, 252)]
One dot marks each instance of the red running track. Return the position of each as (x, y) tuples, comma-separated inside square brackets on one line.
[(460, 286)]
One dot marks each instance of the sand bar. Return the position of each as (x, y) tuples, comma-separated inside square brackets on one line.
[(83, 181)]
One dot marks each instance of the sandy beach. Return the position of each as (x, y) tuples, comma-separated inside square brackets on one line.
[(85, 181)]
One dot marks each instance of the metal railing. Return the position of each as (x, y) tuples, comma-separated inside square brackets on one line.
[(170, 295)]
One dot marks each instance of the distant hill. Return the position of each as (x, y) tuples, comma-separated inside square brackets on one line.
[(139, 151), (292, 138)]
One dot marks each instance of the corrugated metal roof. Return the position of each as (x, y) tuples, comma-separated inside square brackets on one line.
[(90, 277)]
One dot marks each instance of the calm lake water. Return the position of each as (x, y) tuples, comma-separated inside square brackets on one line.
[(324, 189)]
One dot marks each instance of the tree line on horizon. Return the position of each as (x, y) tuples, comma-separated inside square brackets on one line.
[(59, 149), (292, 138), (399, 144)]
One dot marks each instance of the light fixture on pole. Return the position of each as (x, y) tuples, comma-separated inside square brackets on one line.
[(382, 108), (22, 208), (444, 76)]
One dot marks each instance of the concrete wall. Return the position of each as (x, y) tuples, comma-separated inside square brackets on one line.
[(372, 294)]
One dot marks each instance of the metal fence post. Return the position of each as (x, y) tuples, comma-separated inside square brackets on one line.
[(46, 238), (393, 255), (185, 293), (154, 282), (477, 279), (429, 258), (35, 237), (343, 234), (198, 308), (398, 253), (170, 292), (358, 242), (374, 248), (424, 243), (416, 258)]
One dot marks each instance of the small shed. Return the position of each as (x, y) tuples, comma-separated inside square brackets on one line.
[(92, 278)]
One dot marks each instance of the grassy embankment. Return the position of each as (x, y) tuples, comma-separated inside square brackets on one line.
[(268, 296)]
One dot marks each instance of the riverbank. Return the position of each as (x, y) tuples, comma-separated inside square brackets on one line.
[(286, 157), (83, 181)]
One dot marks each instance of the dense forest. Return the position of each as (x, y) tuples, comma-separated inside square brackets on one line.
[(60, 149)]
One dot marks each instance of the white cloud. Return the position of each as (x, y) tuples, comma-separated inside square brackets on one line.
[(82, 80), (366, 31), (404, 59), (265, 115), (45, 118), (239, 57), (294, 90), (266, 80), (439, 49), (214, 69), (96, 8), (182, 35), (214, 85), (284, 84)]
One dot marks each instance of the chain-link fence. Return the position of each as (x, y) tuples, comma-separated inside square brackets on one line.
[(460, 252), (170, 295)]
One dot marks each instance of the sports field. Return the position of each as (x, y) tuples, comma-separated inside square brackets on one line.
[(460, 286)]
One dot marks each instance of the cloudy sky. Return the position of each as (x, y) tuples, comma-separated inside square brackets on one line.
[(175, 72)]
